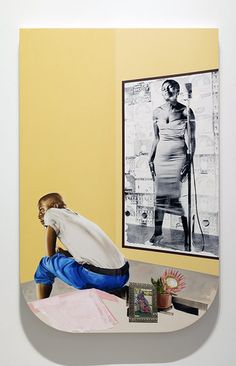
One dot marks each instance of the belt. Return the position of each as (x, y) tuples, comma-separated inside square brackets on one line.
[(108, 271)]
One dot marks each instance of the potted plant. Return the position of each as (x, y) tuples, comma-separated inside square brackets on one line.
[(170, 283)]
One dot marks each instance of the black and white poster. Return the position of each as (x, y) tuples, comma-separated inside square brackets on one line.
[(171, 164)]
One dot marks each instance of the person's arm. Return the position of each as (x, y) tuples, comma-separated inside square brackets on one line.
[(51, 239), (153, 149), (191, 150)]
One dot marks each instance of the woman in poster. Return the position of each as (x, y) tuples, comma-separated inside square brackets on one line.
[(171, 156)]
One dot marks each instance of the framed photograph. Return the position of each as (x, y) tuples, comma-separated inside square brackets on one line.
[(171, 164), (142, 303)]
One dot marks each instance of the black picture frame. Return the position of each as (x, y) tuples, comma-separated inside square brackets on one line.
[(141, 204)]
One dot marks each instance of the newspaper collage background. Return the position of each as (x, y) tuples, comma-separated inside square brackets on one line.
[(140, 99)]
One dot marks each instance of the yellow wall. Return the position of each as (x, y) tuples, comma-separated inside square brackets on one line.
[(70, 122), (150, 53)]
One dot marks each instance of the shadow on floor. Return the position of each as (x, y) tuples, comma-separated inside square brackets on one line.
[(92, 349)]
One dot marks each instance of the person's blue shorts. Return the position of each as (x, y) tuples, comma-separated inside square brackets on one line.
[(75, 275)]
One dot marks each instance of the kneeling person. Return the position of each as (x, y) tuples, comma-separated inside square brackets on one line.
[(91, 259)]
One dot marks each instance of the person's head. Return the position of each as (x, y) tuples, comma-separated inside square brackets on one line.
[(170, 90), (48, 201)]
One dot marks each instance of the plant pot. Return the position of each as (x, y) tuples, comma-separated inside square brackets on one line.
[(164, 301)]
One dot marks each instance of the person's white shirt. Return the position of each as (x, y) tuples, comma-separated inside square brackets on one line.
[(85, 240)]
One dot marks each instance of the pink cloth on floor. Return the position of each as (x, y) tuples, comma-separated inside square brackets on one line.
[(77, 311)]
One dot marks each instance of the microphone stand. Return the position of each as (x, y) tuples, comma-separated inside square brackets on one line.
[(189, 246)]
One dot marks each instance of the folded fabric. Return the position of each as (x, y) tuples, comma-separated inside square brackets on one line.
[(76, 311)]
